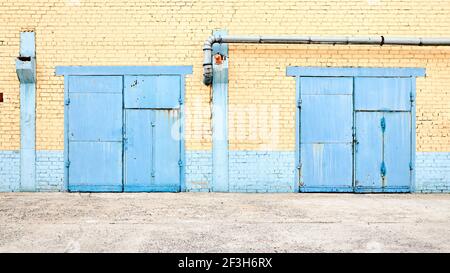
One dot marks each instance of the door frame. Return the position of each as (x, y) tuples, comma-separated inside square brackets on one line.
[(298, 72), (123, 71)]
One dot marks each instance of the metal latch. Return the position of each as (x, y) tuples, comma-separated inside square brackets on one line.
[(383, 124)]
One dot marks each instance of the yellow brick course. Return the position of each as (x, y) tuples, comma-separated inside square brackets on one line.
[(112, 32)]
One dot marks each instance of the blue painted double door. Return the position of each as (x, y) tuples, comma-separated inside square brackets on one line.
[(355, 134), (124, 133)]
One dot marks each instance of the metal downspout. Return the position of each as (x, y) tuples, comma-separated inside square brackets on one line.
[(26, 73)]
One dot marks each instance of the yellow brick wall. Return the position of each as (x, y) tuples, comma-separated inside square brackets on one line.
[(112, 32)]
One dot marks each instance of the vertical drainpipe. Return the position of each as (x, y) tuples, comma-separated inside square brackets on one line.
[(26, 72), (220, 116)]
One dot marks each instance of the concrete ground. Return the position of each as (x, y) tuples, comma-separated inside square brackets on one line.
[(212, 222)]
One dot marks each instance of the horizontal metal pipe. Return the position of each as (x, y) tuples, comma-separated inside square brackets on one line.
[(334, 40)]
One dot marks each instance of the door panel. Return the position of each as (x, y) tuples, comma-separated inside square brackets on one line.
[(167, 149), (152, 150), (156, 92), (374, 94), (326, 118), (397, 149), (326, 86), (95, 166), (326, 167), (326, 134), (95, 84), (138, 149), (368, 149), (95, 117), (383, 156), (95, 134)]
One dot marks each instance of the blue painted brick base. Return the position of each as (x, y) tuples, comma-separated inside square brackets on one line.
[(432, 172), (198, 170), (249, 171), (9, 171), (50, 170), (261, 171)]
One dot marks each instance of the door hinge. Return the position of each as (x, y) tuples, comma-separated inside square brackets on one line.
[(180, 163), (383, 124), (153, 124), (67, 101), (411, 166), (411, 97), (67, 164), (180, 100), (299, 103), (125, 142), (356, 144), (152, 174), (383, 169), (299, 168)]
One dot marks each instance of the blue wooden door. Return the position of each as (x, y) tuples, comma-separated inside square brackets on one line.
[(95, 133), (326, 134), (152, 150), (383, 134)]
